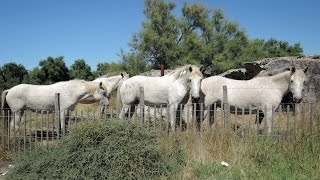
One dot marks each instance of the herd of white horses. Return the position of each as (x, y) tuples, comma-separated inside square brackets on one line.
[(183, 84)]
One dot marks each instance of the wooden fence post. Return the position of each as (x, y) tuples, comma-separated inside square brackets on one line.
[(141, 103), (161, 70), (226, 107), (57, 111)]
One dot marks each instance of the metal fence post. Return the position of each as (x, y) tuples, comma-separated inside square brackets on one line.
[(226, 107)]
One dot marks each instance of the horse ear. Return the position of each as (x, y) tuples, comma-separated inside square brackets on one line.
[(305, 69), (100, 85), (201, 68), (190, 69), (122, 75), (292, 69)]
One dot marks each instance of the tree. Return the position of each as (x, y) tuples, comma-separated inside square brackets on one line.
[(53, 70), (105, 68), (80, 70), (156, 44), (35, 76), (11, 74), (200, 35), (133, 63)]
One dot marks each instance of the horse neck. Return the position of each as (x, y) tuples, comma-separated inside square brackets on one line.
[(282, 81), (112, 83), (88, 89), (178, 78)]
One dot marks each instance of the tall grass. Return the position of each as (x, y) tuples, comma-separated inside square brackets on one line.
[(251, 157)]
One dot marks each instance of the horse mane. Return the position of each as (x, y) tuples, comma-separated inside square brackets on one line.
[(272, 72), (112, 74), (90, 86), (180, 71), (72, 81)]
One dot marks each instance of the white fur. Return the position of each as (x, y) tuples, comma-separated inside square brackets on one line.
[(42, 97), (111, 83), (171, 89), (261, 92)]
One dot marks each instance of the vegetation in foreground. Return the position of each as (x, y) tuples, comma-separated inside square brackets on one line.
[(101, 150), (126, 150), (250, 157)]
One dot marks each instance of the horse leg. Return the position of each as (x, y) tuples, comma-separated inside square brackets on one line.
[(123, 111), (173, 109), (211, 115), (268, 122), (208, 115), (15, 124), (64, 119), (261, 116)]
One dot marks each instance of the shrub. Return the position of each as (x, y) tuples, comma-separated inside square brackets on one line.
[(100, 150)]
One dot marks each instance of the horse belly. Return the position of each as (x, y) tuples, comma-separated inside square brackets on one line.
[(156, 98), (39, 103)]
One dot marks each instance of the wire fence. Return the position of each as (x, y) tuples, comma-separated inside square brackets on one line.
[(40, 128)]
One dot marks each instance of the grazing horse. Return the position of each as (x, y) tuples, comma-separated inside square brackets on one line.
[(111, 82), (260, 93), (42, 97), (171, 89)]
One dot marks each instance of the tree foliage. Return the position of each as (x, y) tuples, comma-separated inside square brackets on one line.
[(49, 71), (200, 35), (54, 70), (105, 68), (11, 74), (80, 70)]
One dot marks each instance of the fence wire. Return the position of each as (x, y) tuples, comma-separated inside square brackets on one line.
[(42, 127)]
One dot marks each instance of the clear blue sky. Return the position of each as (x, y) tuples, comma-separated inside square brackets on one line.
[(32, 30)]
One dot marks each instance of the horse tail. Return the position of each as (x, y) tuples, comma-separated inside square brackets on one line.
[(4, 103), (5, 108)]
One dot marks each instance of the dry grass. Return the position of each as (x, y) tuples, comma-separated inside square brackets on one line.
[(211, 146)]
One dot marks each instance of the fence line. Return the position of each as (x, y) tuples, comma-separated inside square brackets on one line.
[(44, 126)]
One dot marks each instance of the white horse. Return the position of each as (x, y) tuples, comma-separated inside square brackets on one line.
[(42, 97), (171, 89), (263, 93), (111, 82)]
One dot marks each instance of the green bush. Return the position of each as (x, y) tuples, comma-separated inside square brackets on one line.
[(101, 150)]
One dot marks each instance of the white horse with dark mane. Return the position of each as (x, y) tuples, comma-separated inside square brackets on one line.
[(261, 93), (172, 89), (42, 97)]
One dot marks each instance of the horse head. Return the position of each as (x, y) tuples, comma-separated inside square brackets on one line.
[(100, 94), (195, 76), (124, 75), (298, 81)]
